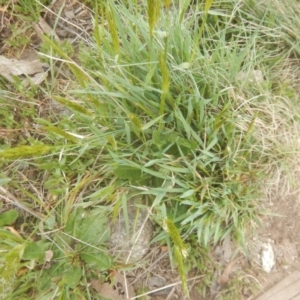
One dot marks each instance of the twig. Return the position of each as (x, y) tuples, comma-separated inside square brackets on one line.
[(165, 287)]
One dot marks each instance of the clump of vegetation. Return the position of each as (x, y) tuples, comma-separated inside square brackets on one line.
[(177, 103)]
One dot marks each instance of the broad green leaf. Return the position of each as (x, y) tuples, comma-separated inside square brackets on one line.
[(163, 139), (72, 276), (50, 222), (128, 172), (56, 270), (151, 123), (89, 227), (192, 145), (187, 194), (98, 260), (8, 217), (4, 181), (36, 250)]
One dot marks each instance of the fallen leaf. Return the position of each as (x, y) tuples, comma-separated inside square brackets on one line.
[(14, 67), (114, 290)]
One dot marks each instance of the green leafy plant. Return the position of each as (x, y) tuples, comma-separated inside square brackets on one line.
[(60, 260)]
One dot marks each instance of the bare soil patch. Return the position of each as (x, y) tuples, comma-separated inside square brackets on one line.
[(283, 232)]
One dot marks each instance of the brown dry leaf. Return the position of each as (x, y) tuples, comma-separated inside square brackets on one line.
[(14, 67), (114, 290), (223, 279)]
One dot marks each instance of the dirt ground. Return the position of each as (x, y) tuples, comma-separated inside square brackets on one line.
[(283, 233), (280, 228)]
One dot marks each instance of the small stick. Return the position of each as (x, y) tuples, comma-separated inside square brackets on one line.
[(165, 287)]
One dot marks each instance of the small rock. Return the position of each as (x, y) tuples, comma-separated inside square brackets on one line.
[(59, 109), (156, 282), (133, 245), (267, 257)]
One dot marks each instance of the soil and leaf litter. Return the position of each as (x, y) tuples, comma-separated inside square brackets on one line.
[(145, 127)]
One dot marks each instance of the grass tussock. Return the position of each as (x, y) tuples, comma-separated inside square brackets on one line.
[(190, 105)]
